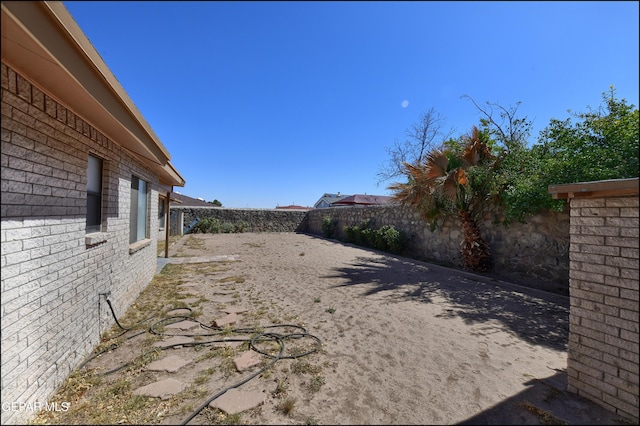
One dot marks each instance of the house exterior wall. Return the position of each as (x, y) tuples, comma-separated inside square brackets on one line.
[(52, 270), (603, 359)]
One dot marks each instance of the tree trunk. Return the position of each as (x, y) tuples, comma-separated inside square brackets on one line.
[(473, 249)]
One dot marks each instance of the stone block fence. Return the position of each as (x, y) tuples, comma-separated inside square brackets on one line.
[(535, 251), (257, 220)]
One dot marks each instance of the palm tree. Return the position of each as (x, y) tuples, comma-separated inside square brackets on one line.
[(454, 181)]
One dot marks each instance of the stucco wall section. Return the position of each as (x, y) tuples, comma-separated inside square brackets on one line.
[(51, 277), (603, 344)]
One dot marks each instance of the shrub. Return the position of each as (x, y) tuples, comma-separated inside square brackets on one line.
[(209, 225), (227, 228), (386, 238), (394, 239), (328, 226), (212, 225), (240, 227)]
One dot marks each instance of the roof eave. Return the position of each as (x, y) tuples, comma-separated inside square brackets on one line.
[(42, 41)]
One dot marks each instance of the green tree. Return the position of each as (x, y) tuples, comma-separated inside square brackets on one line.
[(215, 203), (455, 182), (601, 144)]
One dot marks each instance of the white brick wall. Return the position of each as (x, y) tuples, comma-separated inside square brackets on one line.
[(50, 277), (603, 342)]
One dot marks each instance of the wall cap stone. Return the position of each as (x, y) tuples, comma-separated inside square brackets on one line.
[(600, 188)]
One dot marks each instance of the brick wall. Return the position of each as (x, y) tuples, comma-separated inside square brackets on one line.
[(603, 344), (51, 277)]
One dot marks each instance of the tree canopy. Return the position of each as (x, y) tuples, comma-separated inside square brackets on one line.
[(599, 145), (494, 169)]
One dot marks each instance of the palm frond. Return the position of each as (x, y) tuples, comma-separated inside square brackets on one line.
[(476, 149), (436, 163)]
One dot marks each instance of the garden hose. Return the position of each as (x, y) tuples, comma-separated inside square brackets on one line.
[(215, 331)]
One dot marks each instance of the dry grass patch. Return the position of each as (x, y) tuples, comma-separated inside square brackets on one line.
[(162, 243), (194, 243), (233, 279), (102, 393), (287, 406), (544, 417)]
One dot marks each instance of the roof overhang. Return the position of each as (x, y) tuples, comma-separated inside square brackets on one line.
[(41, 40), (596, 189)]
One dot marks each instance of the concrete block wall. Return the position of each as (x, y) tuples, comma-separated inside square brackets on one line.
[(603, 344), (51, 272)]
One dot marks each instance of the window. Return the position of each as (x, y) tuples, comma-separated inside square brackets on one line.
[(139, 207), (161, 218), (94, 194)]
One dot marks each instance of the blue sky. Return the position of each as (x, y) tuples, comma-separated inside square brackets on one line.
[(275, 103)]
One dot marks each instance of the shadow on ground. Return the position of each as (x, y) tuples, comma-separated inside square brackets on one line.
[(545, 402), (538, 317)]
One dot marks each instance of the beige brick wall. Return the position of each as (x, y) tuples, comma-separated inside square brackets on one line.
[(51, 317), (603, 342)]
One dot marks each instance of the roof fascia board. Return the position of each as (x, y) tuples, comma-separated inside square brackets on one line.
[(601, 188), (53, 50)]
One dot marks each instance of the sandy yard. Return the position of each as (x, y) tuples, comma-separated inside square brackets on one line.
[(403, 341)]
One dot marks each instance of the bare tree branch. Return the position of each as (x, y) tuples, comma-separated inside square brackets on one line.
[(511, 131), (423, 136)]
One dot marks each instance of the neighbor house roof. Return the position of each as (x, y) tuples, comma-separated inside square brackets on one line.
[(41, 40), (364, 200), (328, 199), (293, 207), (185, 201)]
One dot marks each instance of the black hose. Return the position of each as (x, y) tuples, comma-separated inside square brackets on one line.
[(115, 317), (266, 336), (240, 383)]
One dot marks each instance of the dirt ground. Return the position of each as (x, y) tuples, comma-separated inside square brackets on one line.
[(402, 341)]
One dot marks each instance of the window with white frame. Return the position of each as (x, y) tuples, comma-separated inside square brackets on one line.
[(94, 194), (139, 210)]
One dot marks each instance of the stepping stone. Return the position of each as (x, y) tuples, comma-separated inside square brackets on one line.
[(183, 325), (224, 292), (175, 340), (234, 310), (228, 319), (234, 344), (178, 312), (246, 360), (222, 299), (190, 300), (185, 285), (171, 364), (236, 401), (163, 389)]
